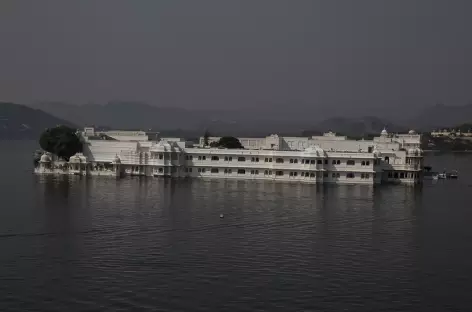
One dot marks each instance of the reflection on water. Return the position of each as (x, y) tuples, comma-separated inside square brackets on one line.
[(78, 243)]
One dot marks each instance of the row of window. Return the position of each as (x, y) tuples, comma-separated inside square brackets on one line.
[(349, 175), (403, 175), (281, 160)]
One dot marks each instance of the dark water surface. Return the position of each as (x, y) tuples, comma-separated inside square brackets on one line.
[(80, 244)]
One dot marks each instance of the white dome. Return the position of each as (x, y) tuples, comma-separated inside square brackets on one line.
[(75, 159), (161, 146), (384, 132), (414, 151), (45, 158), (314, 149), (412, 132)]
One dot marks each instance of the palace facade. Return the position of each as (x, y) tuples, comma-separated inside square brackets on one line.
[(388, 158)]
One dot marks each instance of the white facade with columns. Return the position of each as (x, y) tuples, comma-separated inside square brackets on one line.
[(318, 159)]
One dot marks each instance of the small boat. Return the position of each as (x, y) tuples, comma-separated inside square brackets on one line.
[(454, 174), (430, 175), (442, 176)]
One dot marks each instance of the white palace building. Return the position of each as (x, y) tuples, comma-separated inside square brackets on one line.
[(388, 158)]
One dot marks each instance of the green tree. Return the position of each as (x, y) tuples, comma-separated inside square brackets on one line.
[(229, 142), (61, 141)]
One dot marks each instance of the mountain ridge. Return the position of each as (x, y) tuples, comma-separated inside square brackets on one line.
[(23, 122)]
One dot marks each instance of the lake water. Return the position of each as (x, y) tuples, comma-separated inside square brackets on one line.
[(81, 244)]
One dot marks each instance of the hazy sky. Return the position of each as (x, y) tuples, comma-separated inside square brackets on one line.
[(222, 54)]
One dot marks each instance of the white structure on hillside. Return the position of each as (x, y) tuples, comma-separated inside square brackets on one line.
[(317, 159)]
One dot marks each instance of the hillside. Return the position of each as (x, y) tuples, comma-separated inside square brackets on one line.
[(355, 127), (440, 116), (22, 122), (254, 122)]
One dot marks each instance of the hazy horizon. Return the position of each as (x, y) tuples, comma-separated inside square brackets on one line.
[(349, 57)]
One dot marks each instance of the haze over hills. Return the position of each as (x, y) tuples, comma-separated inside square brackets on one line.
[(132, 115), (19, 121), (22, 122), (440, 115)]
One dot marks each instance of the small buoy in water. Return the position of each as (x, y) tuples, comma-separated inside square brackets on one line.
[(222, 216)]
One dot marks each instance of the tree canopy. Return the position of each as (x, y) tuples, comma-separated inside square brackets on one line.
[(228, 142), (61, 141)]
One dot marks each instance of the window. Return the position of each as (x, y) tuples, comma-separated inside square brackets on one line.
[(204, 157), (161, 170), (161, 156), (214, 170), (215, 158), (350, 175), (326, 161), (188, 157), (303, 161), (307, 174), (387, 159), (279, 173), (302, 174), (325, 174), (333, 175), (350, 162), (390, 175), (199, 157), (402, 175), (295, 161), (363, 163), (291, 174), (395, 175), (367, 163), (256, 172), (291, 160), (255, 159), (279, 160), (313, 161), (266, 172), (362, 176), (338, 162), (241, 159), (270, 159), (252, 171), (367, 176), (241, 171), (228, 158), (190, 169), (312, 175), (270, 172), (334, 162), (295, 174), (319, 162), (228, 171)]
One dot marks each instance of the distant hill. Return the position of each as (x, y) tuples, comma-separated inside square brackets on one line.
[(22, 122), (355, 127), (244, 122), (135, 115), (441, 116)]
